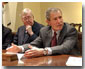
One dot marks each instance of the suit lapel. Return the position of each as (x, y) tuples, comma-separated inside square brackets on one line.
[(22, 34), (48, 38), (61, 36), (26, 36)]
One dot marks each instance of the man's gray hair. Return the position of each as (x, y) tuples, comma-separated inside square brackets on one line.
[(51, 10), (26, 10)]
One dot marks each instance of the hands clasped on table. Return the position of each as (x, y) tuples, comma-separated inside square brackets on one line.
[(32, 52)]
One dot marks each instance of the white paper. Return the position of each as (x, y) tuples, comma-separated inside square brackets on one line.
[(20, 55), (74, 61)]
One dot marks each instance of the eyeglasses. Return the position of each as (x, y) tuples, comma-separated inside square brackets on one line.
[(26, 17)]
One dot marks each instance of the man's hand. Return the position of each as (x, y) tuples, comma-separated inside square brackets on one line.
[(14, 48), (34, 52), (29, 30)]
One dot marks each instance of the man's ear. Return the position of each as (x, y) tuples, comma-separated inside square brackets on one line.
[(48, 22)]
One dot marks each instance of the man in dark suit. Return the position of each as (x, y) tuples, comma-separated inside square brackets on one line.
[(6, 37), (56, 38), (29, 31)]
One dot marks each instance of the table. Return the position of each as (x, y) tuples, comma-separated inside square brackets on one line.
[(55, 60)]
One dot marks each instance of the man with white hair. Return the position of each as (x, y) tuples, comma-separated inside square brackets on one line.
[(29, 31)]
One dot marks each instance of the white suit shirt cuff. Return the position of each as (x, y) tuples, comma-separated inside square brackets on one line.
[(49, 50), (22, 48)]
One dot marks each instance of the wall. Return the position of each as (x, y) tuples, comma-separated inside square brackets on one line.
[(72, 11), (18, 21), (12, 11)]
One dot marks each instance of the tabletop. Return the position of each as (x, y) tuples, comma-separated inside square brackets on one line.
[(54, 60)]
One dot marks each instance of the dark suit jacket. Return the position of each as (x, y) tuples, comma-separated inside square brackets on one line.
[(22, 37), (67, 41), (6, 37)]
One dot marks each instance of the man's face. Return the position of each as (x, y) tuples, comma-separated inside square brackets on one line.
[(28, 19), (56, 21)]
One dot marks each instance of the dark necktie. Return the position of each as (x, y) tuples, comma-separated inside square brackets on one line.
[(54, 40), (26, 36)]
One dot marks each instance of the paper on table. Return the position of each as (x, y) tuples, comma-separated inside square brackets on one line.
[(74, 61), (20, 55)]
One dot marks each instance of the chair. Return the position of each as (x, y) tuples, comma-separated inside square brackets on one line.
[(77, 26), (80, 41)]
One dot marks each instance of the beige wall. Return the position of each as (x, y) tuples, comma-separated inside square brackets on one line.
[(72, 11), (18, 21), (13, 10)]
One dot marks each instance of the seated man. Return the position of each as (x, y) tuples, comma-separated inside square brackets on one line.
[(6, 37), (29, 31), (56, 38)]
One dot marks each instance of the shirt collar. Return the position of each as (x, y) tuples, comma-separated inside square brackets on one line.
[(57, 32)]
